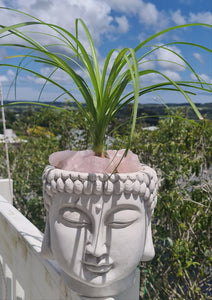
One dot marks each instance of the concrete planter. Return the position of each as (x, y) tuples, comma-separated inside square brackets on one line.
[(98, 227)]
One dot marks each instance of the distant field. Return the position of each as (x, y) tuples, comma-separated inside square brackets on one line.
[(151, 110)]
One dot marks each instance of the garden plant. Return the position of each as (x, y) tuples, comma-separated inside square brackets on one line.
[(106, 90)]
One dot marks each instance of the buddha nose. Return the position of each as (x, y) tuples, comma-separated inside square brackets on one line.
[(96, 244)]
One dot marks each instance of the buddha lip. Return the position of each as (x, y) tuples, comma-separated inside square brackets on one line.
[(100, 268)]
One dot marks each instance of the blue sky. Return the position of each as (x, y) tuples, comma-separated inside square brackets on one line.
[(118, 24)]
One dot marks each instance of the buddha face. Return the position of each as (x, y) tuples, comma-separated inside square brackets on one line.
[(98, 241)]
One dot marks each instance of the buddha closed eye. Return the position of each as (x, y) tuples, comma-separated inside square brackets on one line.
[(120, 217), (74, 217)]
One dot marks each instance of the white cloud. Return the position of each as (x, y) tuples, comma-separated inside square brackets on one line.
[(24, 4), (155, 78), (172, 75), (178, 18), (3, 78), (96, 14), (150, 79), (149, 14), (198, 57), (147, 64), (169, 60), (203, 77), (10, 73), (7, 76), (123, 25), (59, 75), (126, 6), (35, 80), (202, 17)]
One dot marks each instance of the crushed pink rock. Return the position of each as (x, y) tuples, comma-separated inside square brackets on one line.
[(86, 161)]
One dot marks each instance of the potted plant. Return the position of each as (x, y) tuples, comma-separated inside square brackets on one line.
[(99, 202)]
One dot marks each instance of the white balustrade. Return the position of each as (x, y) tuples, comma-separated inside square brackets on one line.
[(24, 273)]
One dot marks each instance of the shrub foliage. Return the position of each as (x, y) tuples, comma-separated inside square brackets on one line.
[(180, 150)]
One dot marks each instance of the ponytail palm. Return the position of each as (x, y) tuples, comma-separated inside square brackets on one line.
[(104, 90)]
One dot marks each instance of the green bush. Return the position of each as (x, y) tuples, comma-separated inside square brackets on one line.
[(181, 152)]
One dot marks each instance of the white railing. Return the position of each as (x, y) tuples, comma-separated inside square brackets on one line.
[(24, 273)]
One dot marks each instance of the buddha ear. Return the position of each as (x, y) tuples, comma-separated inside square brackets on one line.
[(46, 248), (149, 251)]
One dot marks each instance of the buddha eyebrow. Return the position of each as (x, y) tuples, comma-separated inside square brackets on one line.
[(75, 206), (122, 207)]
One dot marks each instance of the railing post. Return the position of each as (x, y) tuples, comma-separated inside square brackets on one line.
[(6, 188)]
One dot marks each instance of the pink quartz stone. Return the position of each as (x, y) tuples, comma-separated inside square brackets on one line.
[(126, 164), (86, 161), (68, 160), (93, 164)]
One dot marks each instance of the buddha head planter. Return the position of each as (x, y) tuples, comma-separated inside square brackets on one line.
[(98, 227)]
